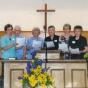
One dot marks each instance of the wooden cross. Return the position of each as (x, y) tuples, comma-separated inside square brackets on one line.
[(46, 10)]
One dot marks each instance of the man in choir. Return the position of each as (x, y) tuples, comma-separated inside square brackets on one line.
[(52, 38), (35, 42), (20, 51), (77, 44), (8, 43)]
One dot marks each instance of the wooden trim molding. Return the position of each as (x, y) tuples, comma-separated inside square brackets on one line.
[(84, 70), (59, 70), (11, 70), (29, 33), (48, 51), (49, 61)]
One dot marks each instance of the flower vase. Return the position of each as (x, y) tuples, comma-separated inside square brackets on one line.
[(26, 86)]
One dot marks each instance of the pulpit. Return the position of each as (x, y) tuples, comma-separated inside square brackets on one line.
[(66, 73), (51, 54)]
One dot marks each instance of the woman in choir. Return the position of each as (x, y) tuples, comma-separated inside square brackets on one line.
[(77, 44), (8, 43), (0, 48), (65, 37), (20, 51), (52, 38), (35, 42)]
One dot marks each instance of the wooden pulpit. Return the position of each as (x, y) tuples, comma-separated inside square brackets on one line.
[(51, 54), (66, 73)]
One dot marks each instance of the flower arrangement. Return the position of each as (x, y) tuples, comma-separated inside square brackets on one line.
[(36, 76)]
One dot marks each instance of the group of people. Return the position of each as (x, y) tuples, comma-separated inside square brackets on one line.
[(9, 48)]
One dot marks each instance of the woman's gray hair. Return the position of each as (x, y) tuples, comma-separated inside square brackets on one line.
[(36, 29), (17, 26)]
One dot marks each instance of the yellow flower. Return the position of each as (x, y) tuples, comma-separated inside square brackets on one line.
[(33, 82), (31, 69), (44, 80), (45, 73), (51, 79), (43, 76), (32, 77), (21, 80), (43, 86), (36, 56), (51, 86), (40, 79), (25, 75), (39, 67), (32, 61)]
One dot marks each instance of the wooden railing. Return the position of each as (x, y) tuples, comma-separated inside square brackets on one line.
[(29, 33)]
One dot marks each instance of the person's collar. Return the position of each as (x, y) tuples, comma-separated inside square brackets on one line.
[(8, 36), (35, 38), (17, 36), (53, 36), (79, 37)]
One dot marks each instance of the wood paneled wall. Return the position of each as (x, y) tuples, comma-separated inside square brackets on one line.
[(29, 33)]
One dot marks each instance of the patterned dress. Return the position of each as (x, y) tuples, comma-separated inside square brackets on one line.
[(62, 39)]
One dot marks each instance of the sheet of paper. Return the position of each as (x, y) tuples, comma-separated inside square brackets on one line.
[(74, 51), (36, 44), (63, 47), (20, 41), (50, 44), (12, 58)]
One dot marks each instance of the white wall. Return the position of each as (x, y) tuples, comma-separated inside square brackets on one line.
[(23, 13)]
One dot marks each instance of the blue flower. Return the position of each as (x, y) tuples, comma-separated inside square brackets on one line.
[(34, 66), (33, 55), (28, 85), (28, 70), (28, 64), (40, 62), (43, 70), (19, 77)]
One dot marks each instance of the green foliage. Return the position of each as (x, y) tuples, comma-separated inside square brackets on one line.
[(85, 56)]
